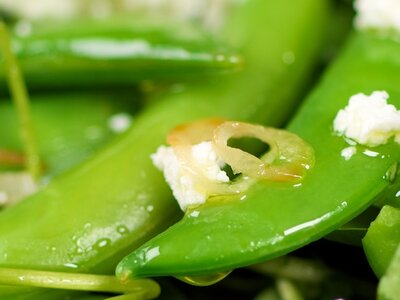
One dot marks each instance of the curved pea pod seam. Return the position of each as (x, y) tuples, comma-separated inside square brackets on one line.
[(273, 219)]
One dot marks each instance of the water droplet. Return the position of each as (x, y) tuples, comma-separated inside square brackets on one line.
[(234, 59), (370, 153), (87, 226), (23, 28), (21, 278), (391, 173), (120, 122), (398, 194), (71, 265), (94, 132), (194, 214), (288, 57), (152, 253), (348, 152), (102, 243), (204, 280), (122, 229), (150, 208), (220, 57)]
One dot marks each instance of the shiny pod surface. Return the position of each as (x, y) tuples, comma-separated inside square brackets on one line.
[(93, 53), (88, 121), (272, 219), (382, 239)]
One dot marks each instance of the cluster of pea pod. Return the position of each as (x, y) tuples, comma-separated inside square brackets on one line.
[(110, 209)]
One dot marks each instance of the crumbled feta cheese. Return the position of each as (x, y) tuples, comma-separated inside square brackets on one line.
[(378, 14), (182, 183), (205, 155), (369, 120), (348, 152)]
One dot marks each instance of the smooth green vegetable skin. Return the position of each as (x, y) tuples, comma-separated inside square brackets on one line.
[(276, 218), (90, 218), (99, 54), (389, 286), (382, 239), (68, 138)]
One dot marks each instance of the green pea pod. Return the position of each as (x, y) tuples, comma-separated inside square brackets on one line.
[(92, 54), (382, 239), (69, 138), (389, 286), (276, 218), (91, 217)]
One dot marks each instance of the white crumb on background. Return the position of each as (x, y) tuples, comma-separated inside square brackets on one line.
[(183, 185), (377, 14), (348, 152), (369, 120)]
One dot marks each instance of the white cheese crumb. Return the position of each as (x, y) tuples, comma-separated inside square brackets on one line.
[(369, 120), (205, 155), (182, 182), (377, 14), (348, 152)]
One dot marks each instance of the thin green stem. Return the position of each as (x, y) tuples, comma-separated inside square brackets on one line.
[(21, 100), (134, 289)]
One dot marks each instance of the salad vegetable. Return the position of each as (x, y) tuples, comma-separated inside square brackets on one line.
[(104, 95)]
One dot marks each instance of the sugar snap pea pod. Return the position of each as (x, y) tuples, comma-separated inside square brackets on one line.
[(274, 218), (104, 53), (91, 217), (389, 286), (382, 239), (66, 139)]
